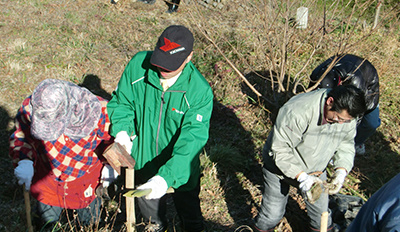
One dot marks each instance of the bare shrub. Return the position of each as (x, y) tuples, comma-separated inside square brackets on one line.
[(263, 38)]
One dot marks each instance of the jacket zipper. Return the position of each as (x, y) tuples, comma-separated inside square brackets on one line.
[(161, 112), (159, 121)]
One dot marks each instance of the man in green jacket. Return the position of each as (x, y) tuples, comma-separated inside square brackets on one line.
[(310, 130), (161, 113)]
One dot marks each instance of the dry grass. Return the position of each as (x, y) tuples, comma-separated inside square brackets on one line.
[(93, 41)]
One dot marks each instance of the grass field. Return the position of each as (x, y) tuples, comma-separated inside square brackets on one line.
[(91, 42)]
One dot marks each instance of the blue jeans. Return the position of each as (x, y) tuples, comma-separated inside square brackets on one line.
[(368, 125), (86, 216), (275, 197)]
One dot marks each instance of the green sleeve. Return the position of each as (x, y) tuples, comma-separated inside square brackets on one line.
[(121, 108)]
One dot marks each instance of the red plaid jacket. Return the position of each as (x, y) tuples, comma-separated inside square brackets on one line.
[(66, 171)]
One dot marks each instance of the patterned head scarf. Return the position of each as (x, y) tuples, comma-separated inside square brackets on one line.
[(62, 107)]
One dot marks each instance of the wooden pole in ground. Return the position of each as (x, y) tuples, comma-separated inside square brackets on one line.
[(324, 221), (130, 201), (27, 209), (118, 157)]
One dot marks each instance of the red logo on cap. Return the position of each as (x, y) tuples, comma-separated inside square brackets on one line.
[(168, 45)]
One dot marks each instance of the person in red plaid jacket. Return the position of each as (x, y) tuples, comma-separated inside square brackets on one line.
[(53, 147)]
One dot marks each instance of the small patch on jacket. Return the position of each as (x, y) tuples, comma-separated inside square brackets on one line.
[(88, 192), (178, 111), (199, 118)]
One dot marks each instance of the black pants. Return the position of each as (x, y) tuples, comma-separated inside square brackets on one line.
[(187, 204)]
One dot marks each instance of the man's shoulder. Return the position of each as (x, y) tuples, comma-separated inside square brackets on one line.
[(197, 80), (197, 88), (308, 98), (304, 105), (138, 67)]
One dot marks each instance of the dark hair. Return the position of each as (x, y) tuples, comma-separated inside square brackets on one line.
[(349, 98)]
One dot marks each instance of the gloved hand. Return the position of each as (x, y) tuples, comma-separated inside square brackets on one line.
[(306, 181), (337, 181), (108, 175), (310, 186), (158, 187), (123, 138), (24, 173)]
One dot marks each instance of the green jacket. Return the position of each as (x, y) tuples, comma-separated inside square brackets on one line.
[(171, 127), (300, 142)]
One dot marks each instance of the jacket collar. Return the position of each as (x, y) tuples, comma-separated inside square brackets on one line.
[(181, 83)]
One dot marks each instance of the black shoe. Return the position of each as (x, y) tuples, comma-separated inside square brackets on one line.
[(173, 7), (170, 11), (150, 2)]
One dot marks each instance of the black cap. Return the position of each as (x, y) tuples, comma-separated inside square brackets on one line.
[(173, 47)]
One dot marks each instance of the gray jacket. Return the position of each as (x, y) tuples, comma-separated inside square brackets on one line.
[(299, 142)]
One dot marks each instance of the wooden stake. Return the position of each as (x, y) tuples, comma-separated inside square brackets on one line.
[(27, 208), (324, 221), (130, 201)]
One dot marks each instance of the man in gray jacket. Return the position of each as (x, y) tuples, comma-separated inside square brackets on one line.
[(310, 130), (350, 69)]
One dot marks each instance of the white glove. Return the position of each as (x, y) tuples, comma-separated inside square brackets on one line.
[(108, 175), (306, 181), (123, 138), (24, 173), (158, 187), (310, 186), (337, 181)]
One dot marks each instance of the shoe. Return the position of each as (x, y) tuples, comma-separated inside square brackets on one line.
[(173, 7), (170, 11), (360, 149), (150, 2)]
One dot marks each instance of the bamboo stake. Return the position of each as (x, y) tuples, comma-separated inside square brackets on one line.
[(130, 201), (27, 209), (324, 221)]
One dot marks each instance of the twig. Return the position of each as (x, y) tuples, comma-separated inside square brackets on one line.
[(204, 32), (243, 227), (231, 64), (353, 179), (354, 192)]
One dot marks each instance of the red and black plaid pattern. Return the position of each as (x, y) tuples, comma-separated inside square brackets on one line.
[(69, 159)]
